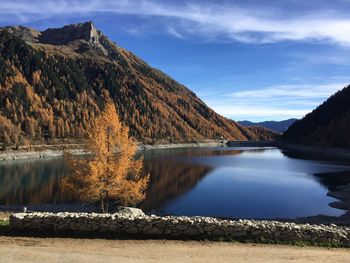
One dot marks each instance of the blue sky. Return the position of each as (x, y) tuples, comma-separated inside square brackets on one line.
[(252, 59)]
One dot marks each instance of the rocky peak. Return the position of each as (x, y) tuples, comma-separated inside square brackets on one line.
[(62, 36), (26, 33), (82, 38)]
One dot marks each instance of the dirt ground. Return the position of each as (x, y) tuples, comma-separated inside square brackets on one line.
[(29, 249), (4, 216)]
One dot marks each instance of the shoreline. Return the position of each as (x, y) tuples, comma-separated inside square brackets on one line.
[(51, 151), (320, 151)]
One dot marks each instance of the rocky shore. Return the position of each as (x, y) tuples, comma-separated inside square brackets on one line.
[(50, 151), (25, 155), (133, 221), (343, 195)]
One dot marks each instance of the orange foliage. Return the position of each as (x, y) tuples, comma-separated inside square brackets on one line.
[(36, 77), (111, 173)]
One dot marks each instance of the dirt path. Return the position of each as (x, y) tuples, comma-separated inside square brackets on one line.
[(24, 249)]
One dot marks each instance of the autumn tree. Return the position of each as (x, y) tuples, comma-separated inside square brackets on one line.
[(110, 173)]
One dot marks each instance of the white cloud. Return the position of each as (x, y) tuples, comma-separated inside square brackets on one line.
[(258, 112), (290, 92), (245, 24), (172, 31), (277, 102)]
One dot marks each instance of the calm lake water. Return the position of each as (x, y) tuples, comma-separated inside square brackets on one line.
[(227, 182)]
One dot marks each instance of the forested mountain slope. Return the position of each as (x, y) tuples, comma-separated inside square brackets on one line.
[(53, 83), (276, 126), (328, 124)]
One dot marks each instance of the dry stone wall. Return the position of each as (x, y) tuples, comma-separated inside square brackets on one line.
[(134, 221)]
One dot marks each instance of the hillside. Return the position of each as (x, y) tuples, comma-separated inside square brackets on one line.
[(52, 84), (328, 124), (276, 126), (263, 133)]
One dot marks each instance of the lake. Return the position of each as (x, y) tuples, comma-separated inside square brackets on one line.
[(224, 182)]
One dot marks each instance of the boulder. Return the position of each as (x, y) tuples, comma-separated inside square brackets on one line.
[(128, 211)]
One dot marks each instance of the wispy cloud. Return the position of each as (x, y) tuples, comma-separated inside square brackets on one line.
[(232, 22), (337, 57), (277, 102), (290, 92), (172, 31)]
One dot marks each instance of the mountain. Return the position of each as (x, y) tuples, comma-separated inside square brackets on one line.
[(328, 124), (276, 126), (54, 82), (264, 134)]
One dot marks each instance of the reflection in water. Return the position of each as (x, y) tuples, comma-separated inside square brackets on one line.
[(330, 180), (170, 180), (37, 182), (237, 182), (336, 183), (196, 151), (31, 182)]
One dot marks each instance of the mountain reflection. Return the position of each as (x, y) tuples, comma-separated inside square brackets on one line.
[(191, 152), (330, 180), (172, 175), (170, 180), (31, 182), (177, 175), (37, 182)]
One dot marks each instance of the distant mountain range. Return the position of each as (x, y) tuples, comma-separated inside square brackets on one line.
[(54, 82), (328, 124), (276, 126)]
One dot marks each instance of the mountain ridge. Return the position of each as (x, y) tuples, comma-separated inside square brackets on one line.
[(276, 126), (52, 91)]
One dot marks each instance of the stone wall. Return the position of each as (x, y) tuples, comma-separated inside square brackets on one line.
[(136, 222)]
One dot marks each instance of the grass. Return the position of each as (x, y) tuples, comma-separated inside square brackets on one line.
[(4, 223)]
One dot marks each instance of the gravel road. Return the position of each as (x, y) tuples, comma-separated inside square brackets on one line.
[(29, 249)]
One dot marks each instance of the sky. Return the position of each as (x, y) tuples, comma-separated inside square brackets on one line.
[(248, 60)]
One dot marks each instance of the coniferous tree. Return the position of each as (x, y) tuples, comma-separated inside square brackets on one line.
[(111, 172)]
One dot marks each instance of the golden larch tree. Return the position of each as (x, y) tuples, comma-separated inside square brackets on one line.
[(111, 171)]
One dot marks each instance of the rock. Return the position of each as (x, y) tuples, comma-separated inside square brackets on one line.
[(134, 221), (60, 36), (277, 234), (239, 234), (16, 220), (191, 231), (154, 231), (147, 227), (128, 211), (181, 227), (209, 227), (132, 230), (218, 232)]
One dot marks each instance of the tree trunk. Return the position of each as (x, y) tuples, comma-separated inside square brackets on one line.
[(102, 204), (107, 203)]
